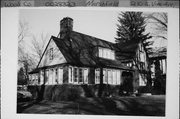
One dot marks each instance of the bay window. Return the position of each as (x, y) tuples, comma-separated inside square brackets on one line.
[(60, 76), (47, 77), (41, 77), (109, 77), (114, 77), (78, 75), (70, 75), (118, 76)]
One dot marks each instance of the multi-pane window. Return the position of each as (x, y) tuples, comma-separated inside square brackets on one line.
[(97, 76), (106, 53), (86, 76), (75, 75), (56, 75), (110, 76), (70, 75), (81, 77), (41, 77), (100, 52), (164, 66), (114, 77), (129, 64), (51, 54), (118, 73), (60, 76), (47, 77), (105, 76), (78, 75), (51, 76), (112, 54)]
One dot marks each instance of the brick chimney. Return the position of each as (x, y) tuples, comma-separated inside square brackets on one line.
[(66, 26)]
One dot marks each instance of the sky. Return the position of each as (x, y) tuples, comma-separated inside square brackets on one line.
[(97, 23)]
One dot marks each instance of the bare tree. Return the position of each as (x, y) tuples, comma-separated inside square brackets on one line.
[(38, 45), (23, 30), (25, 61), (22, 33), (158, 22)]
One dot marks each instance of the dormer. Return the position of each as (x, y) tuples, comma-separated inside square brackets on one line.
[(106, 53)]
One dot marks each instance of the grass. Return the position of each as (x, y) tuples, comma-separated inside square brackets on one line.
[(141, 106)]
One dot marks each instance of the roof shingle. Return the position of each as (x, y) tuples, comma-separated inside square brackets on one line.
[(79, 50)]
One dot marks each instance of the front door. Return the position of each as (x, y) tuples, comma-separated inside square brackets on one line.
[(127, 82)]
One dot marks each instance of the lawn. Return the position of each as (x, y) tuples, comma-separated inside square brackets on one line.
[(145, 105)]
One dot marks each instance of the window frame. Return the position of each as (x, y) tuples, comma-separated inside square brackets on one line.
[(82, 75), (106, 53), (97, 76), (47, 76), (51, 54), (85, 75), (75, 78), (71, 74)]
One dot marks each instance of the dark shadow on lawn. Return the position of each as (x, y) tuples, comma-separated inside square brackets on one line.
[(131, 106), (100, 106), (111, 106), (21, 106), (143, 108)]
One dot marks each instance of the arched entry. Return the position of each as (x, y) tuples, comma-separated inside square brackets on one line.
[(127, 82)]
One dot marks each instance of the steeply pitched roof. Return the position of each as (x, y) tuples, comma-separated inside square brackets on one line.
[(158, 53), (85, 40), (127, 50), (79, 50)]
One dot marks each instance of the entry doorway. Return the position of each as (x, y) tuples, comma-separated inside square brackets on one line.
[(126, 86)]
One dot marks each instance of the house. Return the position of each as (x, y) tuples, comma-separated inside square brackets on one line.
[(158, 61), (133, 54), (77, 58)]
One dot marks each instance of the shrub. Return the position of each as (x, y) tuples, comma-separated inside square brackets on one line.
[(65, 92), (144, 89)]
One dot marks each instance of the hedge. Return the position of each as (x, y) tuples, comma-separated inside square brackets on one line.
[(69, 92)]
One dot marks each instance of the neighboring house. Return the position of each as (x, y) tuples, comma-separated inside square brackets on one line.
[(158, 61), (76, 58)]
